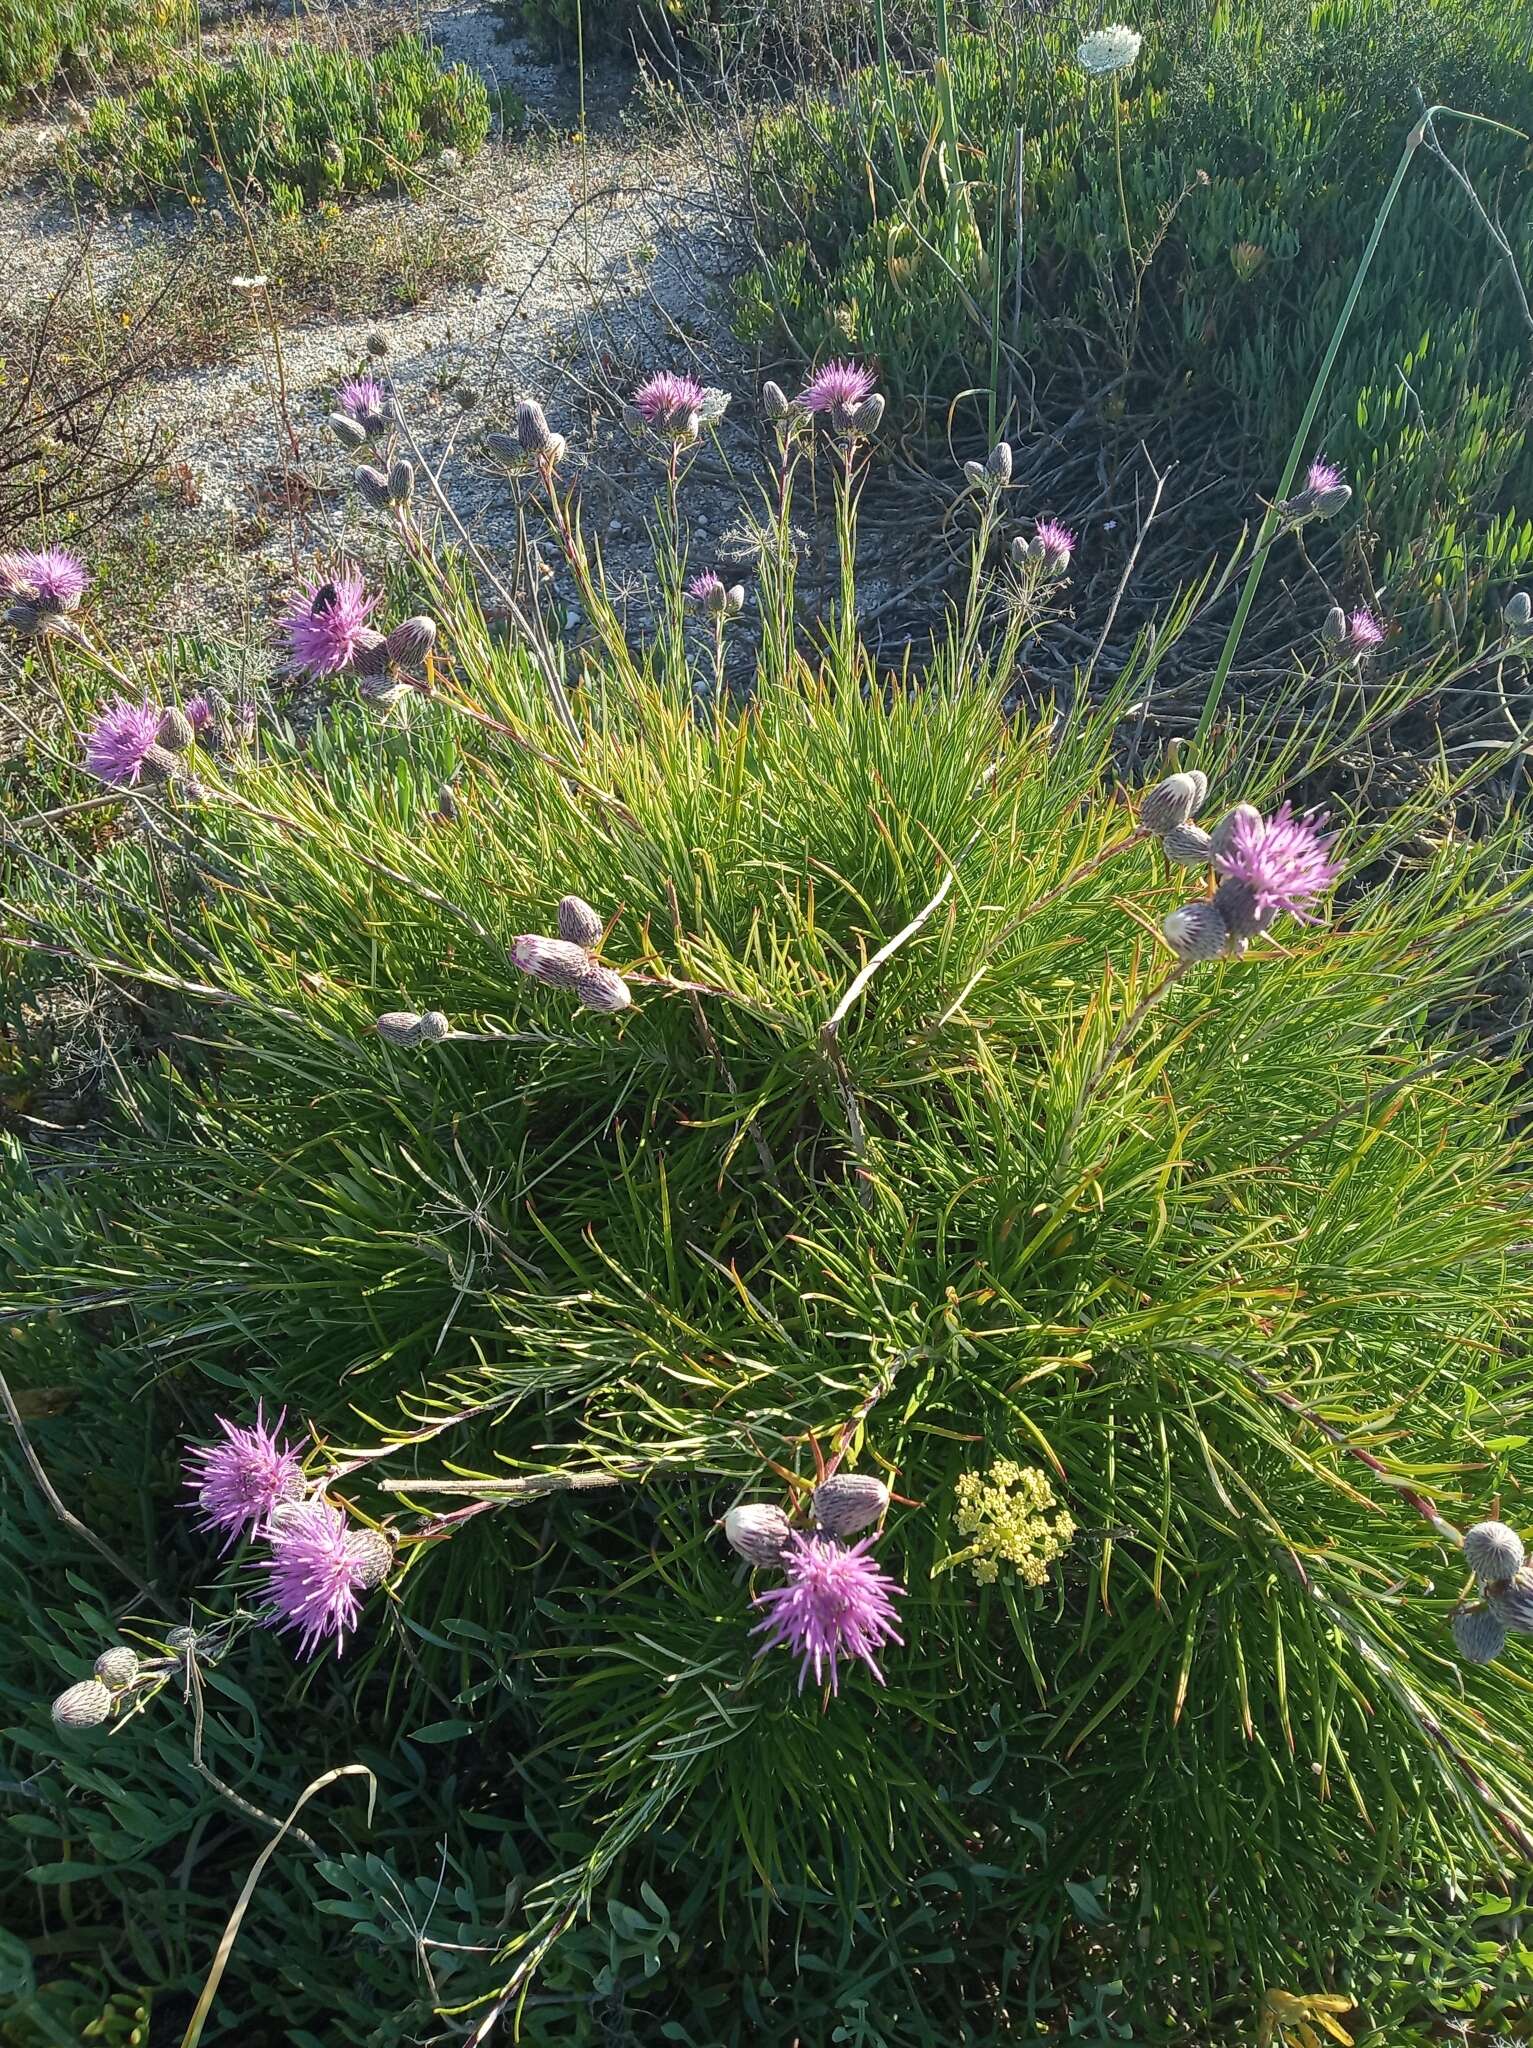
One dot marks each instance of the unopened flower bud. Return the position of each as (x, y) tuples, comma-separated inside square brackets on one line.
[(1196, 932), (1478, 1635), (406, 1028), (734, 600), (411, 641), (85, 1705), (601, 988), (578, 922), (448, 809), (849, 1502), (373, 485), (1517, 617), (176, 731), (998, 463), (159, 764), (349, 432), (1187, 846), (864, 419), (1511, 1601), (757, 1531), (370, 653), (401, 480), (974, 473), (1223, 834), (1334, 631), (376, 344), (117, 1667), (1492, 1551), (1333, 499), (554, 962), (1236, 903), (774, 401), (533, 433), (371, 1552), (1171, 802)]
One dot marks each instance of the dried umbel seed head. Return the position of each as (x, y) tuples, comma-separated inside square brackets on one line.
[(1244, 917), (848, 1502), (371, 1554), (1187, 846), (85, 1705), (1492, 1551), (578, 922), (176, 731), (1511, 1601), (117, 1668), (1517, 617), (1232, 825), (600, 988), (411, 641), (1478, 1635), (408, 1028), (1196, 932), (1171, 802), (757, 1531)]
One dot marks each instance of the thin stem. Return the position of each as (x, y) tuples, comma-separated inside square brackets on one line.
[(1130, 1025)]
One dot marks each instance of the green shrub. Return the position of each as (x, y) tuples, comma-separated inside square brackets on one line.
[(294, 127), (1257, 141), (1186, 1259), (47, 42)]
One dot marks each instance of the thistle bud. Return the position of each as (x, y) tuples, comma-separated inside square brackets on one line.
[(554, 962), (1187, 846), (1478, 1635), (376, 344), (373, 485), (1492, 1551), (117, 1667), (448, 809), (533, 433), (1334, 631), (1196, 932), (504, 449), (600, 988), (1517, 617), (1333, 499), (85, 1705), (411, 641), (401, 480), (349, 432), (176, 731), (849, 1502), (974, 473), (757, 1531), (1511, 1601), (370, 653), (998, 463), (774, 401), (159, 764), (371, 1553), (864, 419), (180, 1639), (734, 600), (1223, 834), (406, 1028), (1171, 802), (578, 922), (1236, 903)]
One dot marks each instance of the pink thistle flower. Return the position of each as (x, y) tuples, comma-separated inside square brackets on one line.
[(240, 1481), (50, 579), (708, 591), (836, 1603), (199, 712), (326, 624), (1323, 476), (836, 389), (1284, 861), (319, 1566), (1364, 632), (119, 743), (670, 404), (364, 400), (1058, 544)]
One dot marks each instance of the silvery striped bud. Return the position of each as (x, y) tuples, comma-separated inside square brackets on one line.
[(849, 1502), (117, 1667), (578, 922), (1511, 1601), (1025, 554), (401, 480), (411, 641), (601, 988), (176, 731), (1335, 498), (505, 449), (373, 485), (1187, 846), (734, 600), (448, 809), (1493, 1551), (349, 432), (1171, 802), (1224, 832), (864, 418), (534, 436), (1235, 902), (1334, 631), (1478, 1635), (383, 692), (159, 764), (774, 401), (407, 1027), (371, 1554), (182, 1638), (554, 962), (1517, 617), (757, 1531), (85, 1705), (998, 463), (370, 653), (974, 473), (1196, 932), (376, 344)]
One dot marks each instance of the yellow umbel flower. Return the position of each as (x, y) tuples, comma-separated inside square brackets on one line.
[(1005, 1515), (1288, 2012)]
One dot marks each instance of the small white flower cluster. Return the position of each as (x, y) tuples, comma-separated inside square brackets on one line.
[(1109, 50)]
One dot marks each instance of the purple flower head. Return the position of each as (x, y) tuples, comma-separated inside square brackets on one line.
[(199, 712), (119, 743), (1363, 631), (1283, 860), (670, 404), (240, 1480), (52, 579), (364, 400), (1323, 476), (836, 389), (836, 1603), (1058, 544), (708, 591), (325, 625), (318, 1568)]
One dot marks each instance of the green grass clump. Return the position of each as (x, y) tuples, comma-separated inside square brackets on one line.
[(1225, 1746), (46, 43), (292, 127), (1192, 307)]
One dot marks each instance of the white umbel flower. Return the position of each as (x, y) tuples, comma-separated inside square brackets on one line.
[(1110, 49)]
